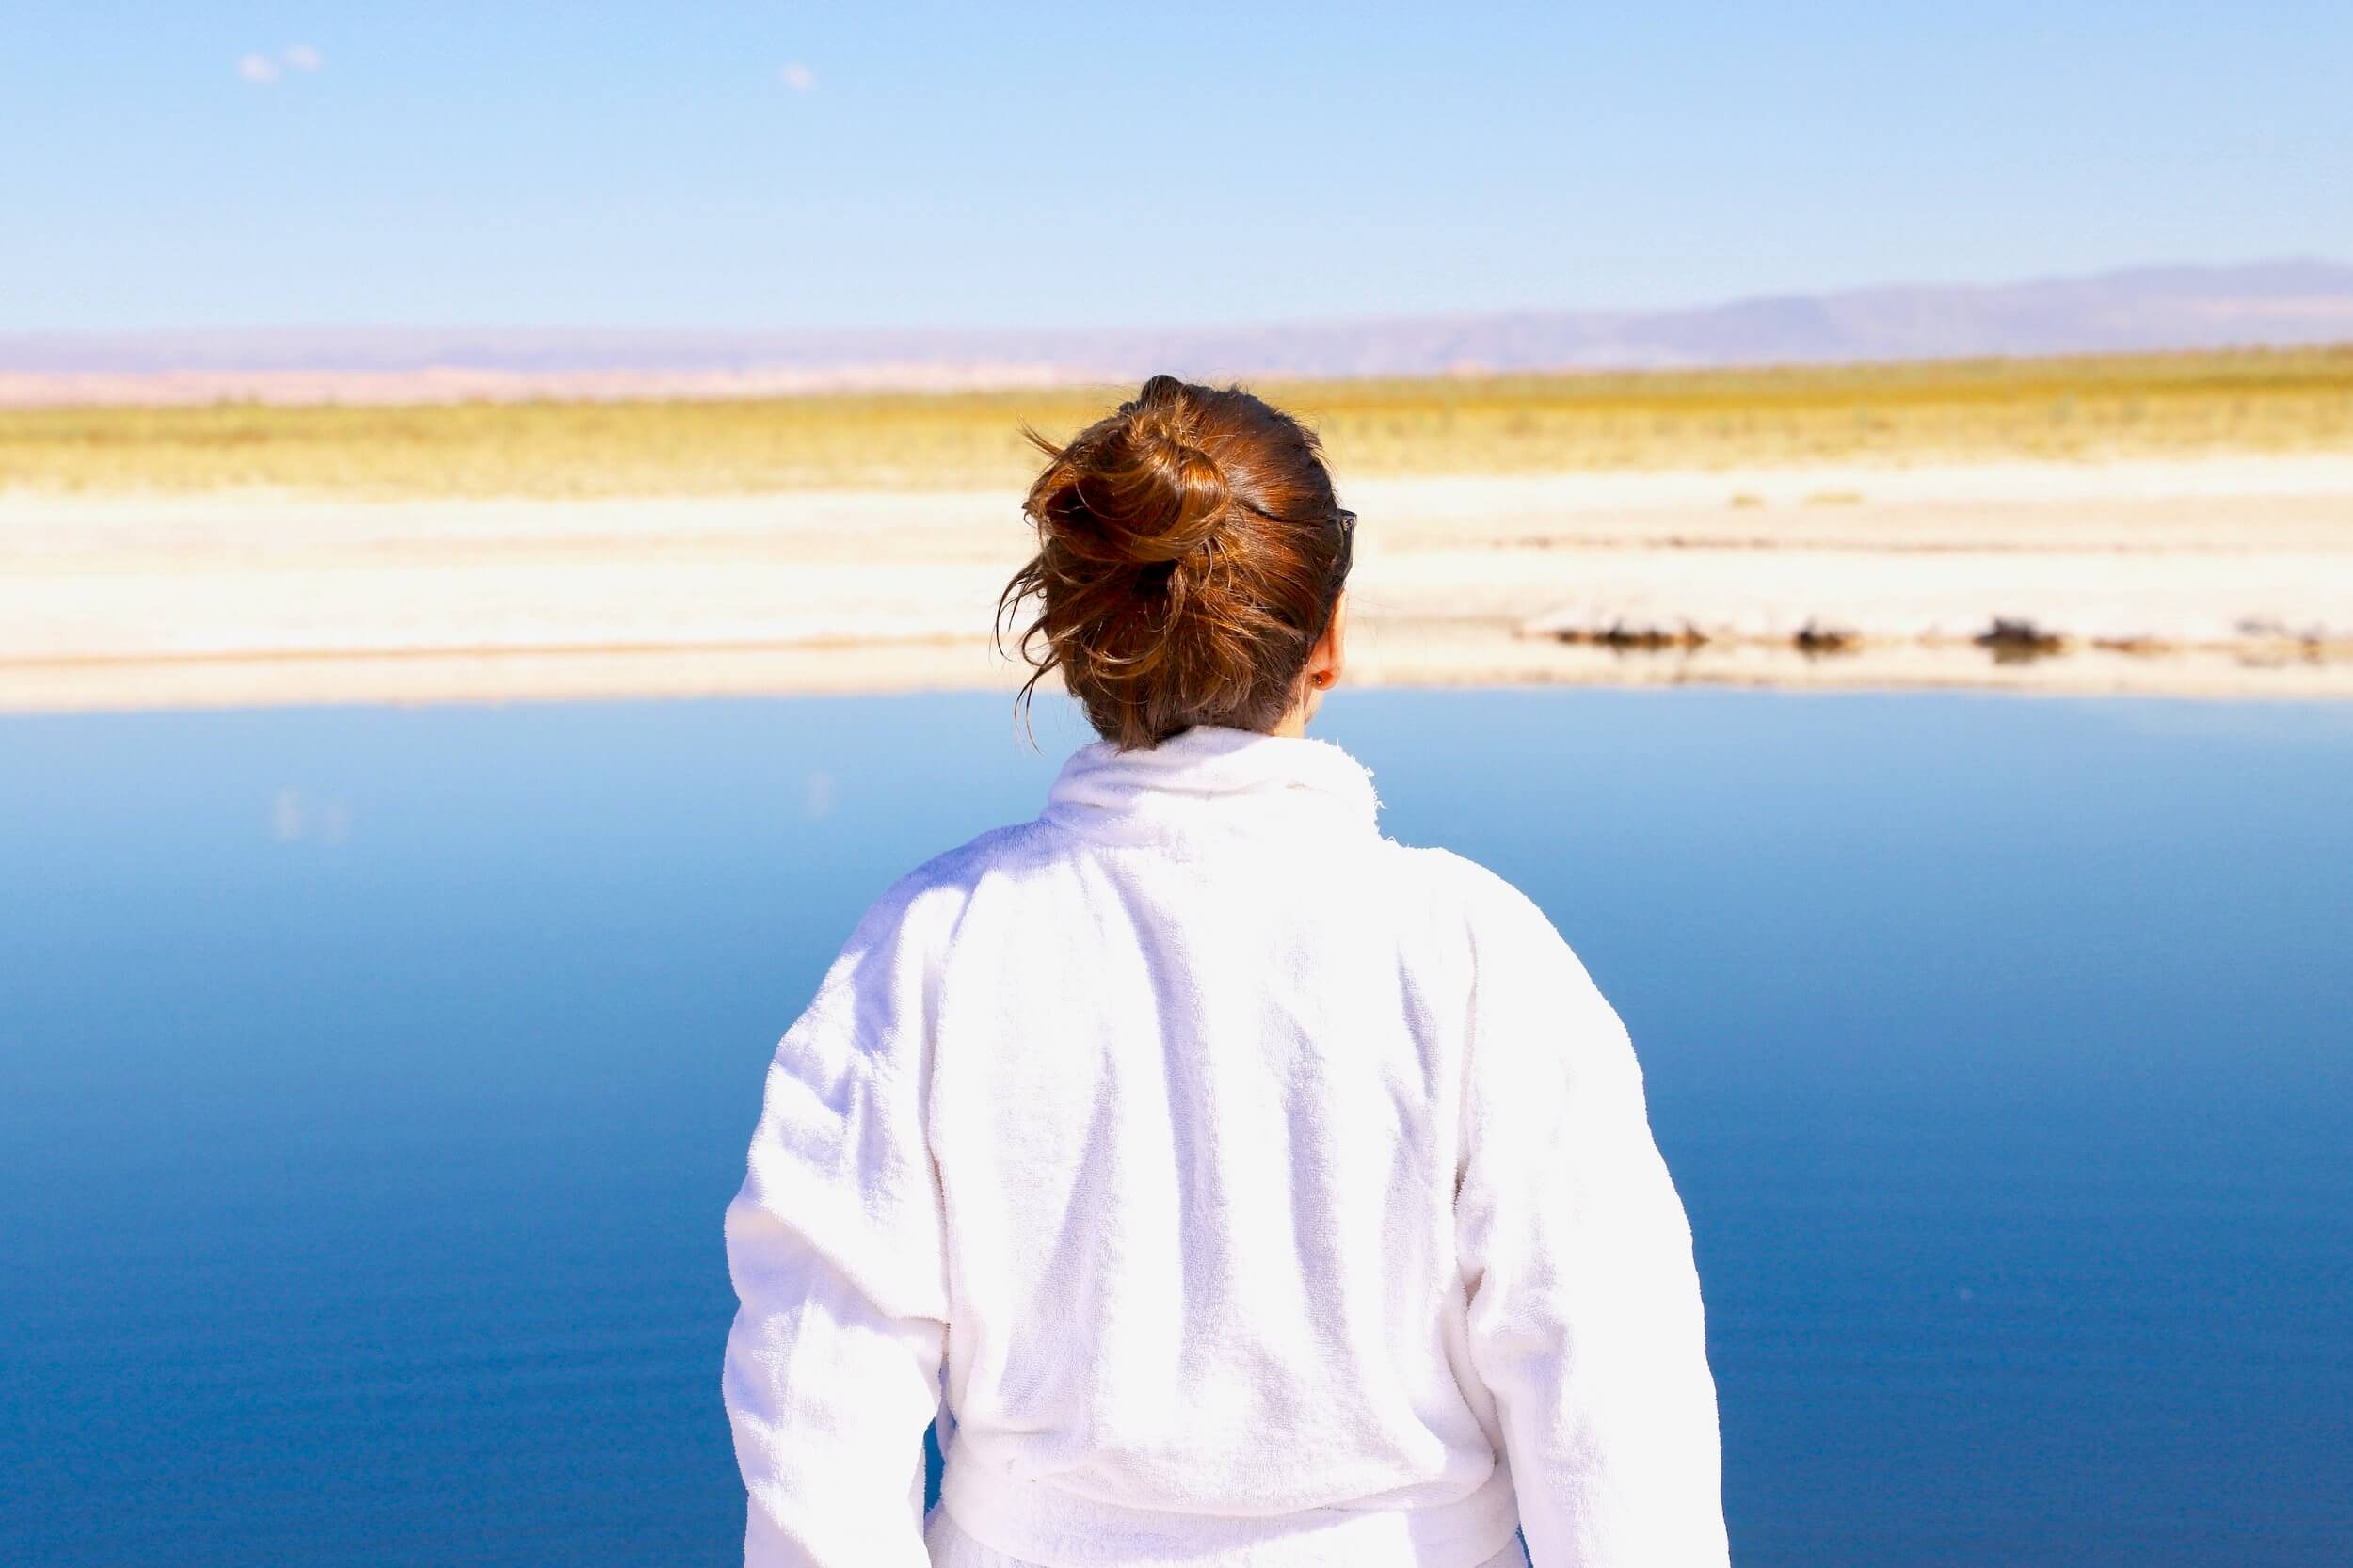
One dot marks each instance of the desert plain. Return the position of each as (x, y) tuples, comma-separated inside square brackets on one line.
[(2172, 524)]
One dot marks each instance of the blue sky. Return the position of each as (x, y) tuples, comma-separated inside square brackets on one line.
[(794, 166)]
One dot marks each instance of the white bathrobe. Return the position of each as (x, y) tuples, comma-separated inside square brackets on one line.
[(1237, 1186)]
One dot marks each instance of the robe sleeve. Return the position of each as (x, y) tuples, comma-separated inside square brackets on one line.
[(1584, 1317), (836, 1247)]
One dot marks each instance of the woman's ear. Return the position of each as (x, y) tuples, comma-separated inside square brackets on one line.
[(1325, 661), (1328, 659)]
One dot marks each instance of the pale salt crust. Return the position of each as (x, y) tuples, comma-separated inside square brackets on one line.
[(2218, 577)]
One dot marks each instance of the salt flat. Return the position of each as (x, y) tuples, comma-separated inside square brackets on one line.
[(2208, 576)]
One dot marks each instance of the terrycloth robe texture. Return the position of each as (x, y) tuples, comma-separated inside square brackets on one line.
[(1237, 1186)]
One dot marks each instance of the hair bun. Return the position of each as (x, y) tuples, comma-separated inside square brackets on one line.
[(1188, 559), (1146, 493)]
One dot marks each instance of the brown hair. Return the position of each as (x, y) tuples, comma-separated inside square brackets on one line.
[(1189, 552)]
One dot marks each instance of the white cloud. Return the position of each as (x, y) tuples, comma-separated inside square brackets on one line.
[(799, 77), (261, 69)]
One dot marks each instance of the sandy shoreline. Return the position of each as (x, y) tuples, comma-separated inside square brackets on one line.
[(2209, 577)]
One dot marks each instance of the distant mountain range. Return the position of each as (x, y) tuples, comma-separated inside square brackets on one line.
[(2275, 303)]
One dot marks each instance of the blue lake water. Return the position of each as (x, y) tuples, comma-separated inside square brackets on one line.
[(372, 1082)]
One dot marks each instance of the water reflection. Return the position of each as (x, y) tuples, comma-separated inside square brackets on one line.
[(364, 1202)]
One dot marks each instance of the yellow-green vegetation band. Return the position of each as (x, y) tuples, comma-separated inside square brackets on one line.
[(2166, 405)]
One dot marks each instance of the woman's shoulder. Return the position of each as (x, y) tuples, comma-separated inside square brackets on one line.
[(942, 886), (1483, 898), (1504, 932)]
